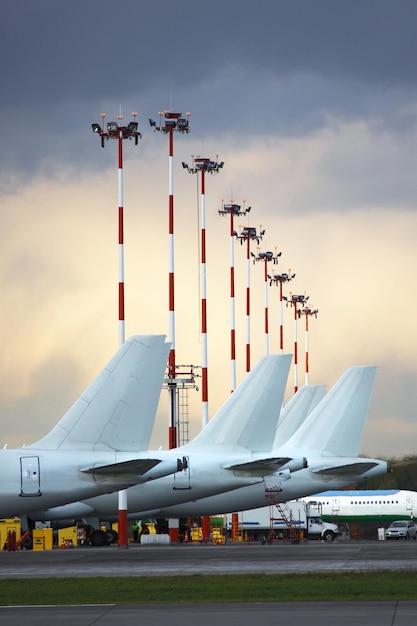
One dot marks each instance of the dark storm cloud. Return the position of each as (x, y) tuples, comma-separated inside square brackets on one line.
[(79, 50), (63, 62)]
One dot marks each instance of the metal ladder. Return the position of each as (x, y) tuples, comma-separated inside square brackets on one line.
[(286, 516)]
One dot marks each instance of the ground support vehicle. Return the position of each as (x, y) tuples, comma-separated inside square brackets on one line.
[(291, 521)]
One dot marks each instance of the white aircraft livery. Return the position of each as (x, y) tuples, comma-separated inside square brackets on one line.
[(377, 505), (94, 447), (230, 465)]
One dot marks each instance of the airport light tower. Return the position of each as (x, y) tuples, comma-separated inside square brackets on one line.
[(204, 166), (265, 258), (119, 132), (307, 312), (115, 130), (294, 301), (280, 279), (248, 234), (233, 210), (170, 123)]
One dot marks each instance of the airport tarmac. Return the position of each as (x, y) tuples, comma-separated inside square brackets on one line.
[(231, 558), (388, 613)]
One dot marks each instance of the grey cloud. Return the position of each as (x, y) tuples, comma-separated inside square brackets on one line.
[(80, 50), (242, 67)]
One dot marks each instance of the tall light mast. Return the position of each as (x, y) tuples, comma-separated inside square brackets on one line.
[(204, 166), (307, 312), (233, 210), (248, 234), (265, 258), (280, 279), (294, 301), (169, 123), (115, 130)]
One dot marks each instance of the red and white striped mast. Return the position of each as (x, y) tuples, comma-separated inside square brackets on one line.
[(279, 279), (115, 130), (307, 312), (267, 257), (232, 210), (204, 166), (248, 234), (168, 124), (294, 301)]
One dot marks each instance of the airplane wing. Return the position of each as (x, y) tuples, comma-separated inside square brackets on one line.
[(354, 469), (138, 470), (136, 466), (268, 465)]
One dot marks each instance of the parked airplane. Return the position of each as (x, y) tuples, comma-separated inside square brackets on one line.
[(295, 412), (329, 438), (245, 425), (378, 505), (232, 455), (94, 447)]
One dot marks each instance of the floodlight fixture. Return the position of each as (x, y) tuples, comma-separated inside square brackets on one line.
[(249, 233), (171, 122), (267, 256), (115, 130), (203, 165)]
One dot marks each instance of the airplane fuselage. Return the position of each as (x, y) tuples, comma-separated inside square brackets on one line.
[(32, 479), (256, 495), (381, 505), (206, 488)]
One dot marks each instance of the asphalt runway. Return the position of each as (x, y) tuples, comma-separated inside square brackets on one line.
[(231, 558), (186, 560)]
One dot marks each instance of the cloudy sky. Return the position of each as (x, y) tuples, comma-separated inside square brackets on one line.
[(312, 105)]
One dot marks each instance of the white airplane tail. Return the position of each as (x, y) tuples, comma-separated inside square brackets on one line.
[(117, 410), (249, 416), (336, 425), (297, 409)]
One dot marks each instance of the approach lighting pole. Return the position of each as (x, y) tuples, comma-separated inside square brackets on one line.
[(248, 234), (233, 210), (294, 301), (204, 166), (170, 123), (267, 257), (280, 279), (115, 130), (307, 312)]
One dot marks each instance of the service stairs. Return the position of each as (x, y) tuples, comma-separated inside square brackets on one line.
[(286, 516)]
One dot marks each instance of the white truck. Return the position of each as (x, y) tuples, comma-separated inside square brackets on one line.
[(294, 520)]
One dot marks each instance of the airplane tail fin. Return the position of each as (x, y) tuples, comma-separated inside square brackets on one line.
[(297, 409), (117, 410), (336, 425), (249, 416)]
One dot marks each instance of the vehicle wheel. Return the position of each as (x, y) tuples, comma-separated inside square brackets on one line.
[(98, 539), (28, 543), (406, 537), (112, 536), (328, 535)]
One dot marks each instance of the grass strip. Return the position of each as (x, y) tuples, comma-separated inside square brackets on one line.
[(376, 585)]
